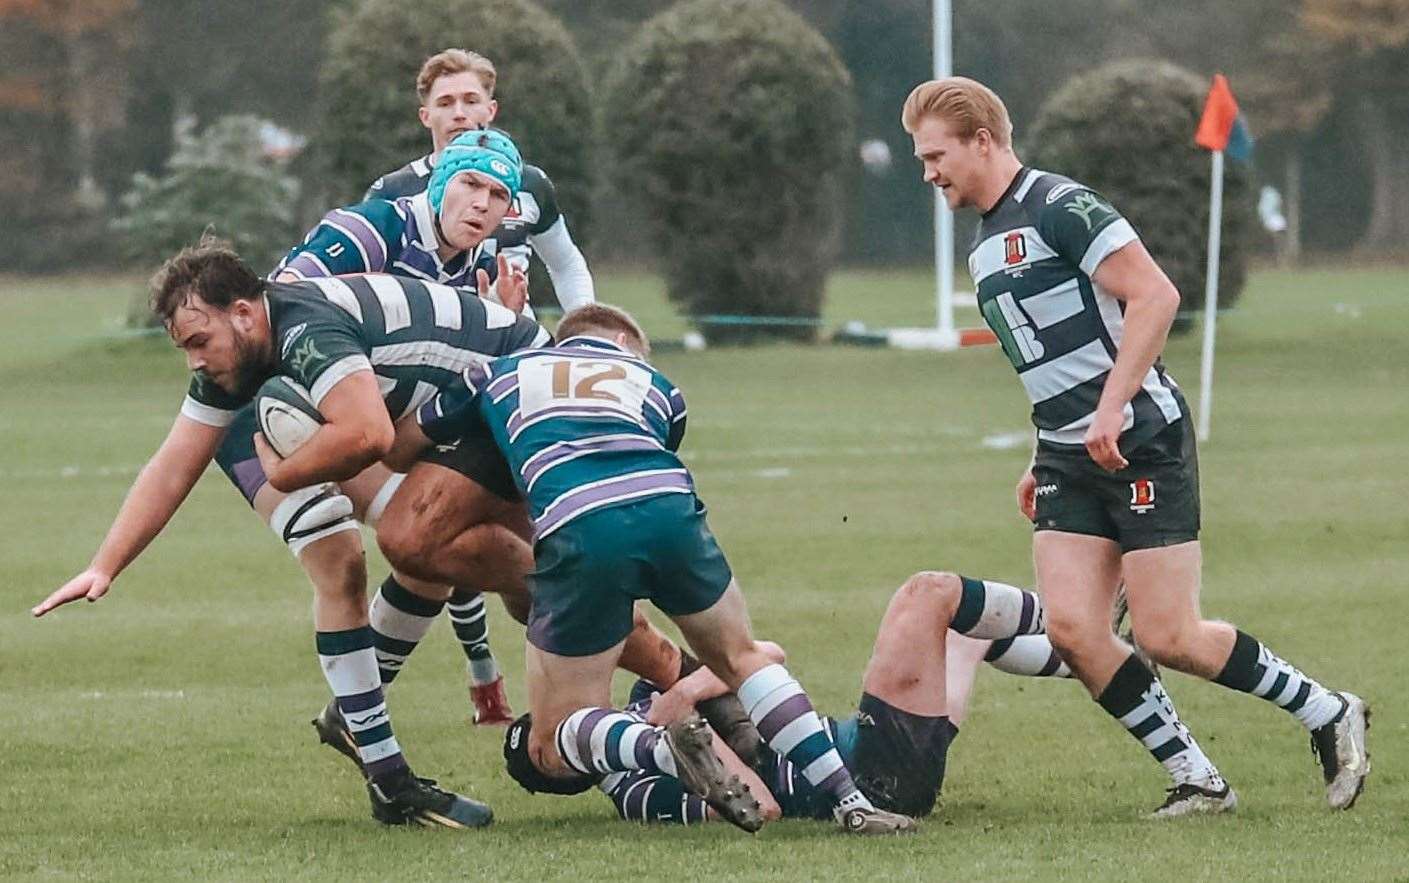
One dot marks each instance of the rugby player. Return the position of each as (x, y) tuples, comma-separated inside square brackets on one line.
[(455, 89), (591, 431), (1083, 312), (359, 345), (937, 629)]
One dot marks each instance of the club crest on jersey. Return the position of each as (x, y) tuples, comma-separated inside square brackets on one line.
[(1014, 248), (1142, 495)]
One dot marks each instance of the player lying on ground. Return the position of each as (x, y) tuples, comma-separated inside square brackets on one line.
[(915, 693), (1083, 312), (591, 431)]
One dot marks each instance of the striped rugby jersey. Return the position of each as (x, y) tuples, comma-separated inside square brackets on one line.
[(1032, 261), (415, 336), (584, 425), (381, 236)]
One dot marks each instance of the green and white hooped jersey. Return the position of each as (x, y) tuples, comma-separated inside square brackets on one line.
[(1032, 262), (415, 336)]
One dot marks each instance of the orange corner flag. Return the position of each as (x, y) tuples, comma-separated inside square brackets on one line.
[(1220, 116)]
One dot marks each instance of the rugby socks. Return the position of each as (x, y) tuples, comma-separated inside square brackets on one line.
[(350, 666), (995, 610), (604, 740), (1252, 668), (1138, 700), (467, 615), (783, 714), (652, 798), (399, 620), (1031, 656)]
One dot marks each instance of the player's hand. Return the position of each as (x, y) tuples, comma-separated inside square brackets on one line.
[(667, 708), (89, 584), (1027, 495), (269, 460), (1103, 439), (509, 289)]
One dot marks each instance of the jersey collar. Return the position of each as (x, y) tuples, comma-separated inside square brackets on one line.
[(595, 342), (1013, 185), (420, 206)]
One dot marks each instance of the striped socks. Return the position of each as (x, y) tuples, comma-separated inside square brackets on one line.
[(996, 610), (399, 620), (1252, 668), (467, 615), (604, 740), (350, 666), (785, 719), (1032, 656), (1138, 700)]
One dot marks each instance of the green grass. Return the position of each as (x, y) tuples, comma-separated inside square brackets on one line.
[(163, 732)]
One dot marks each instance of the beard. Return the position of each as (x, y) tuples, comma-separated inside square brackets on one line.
[(252, 368)]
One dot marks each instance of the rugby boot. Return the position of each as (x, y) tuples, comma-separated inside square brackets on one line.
[(403, 798), (1340, 747), (1127, 633), (1190, 799), (333, 732), (491, 704), (726, 715), (702, 772), (869, 821)]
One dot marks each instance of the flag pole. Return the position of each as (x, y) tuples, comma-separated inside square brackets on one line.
[(1215, 228), (943, 217)]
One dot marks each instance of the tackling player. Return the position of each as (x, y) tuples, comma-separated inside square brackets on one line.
[(358, 345), (1083, 312), (591, 431)]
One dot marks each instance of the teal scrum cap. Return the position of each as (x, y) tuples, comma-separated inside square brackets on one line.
[(488, 151)]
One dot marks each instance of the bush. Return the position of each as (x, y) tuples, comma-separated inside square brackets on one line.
[(1127, 129), (221, 180), (732, 124), (368, 91)]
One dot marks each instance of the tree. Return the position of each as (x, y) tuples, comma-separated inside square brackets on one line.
[(1369, 40), (1126, 129), (732, 124)]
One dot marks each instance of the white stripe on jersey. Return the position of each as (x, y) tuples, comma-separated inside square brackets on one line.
[(356, 243), (1055, 304), (434, 353), (1033, 176), (423, 393), (1065, 372), (988, 257), (1112, 239), (336, 372), (446, 303), (396, 309), (1074, 433), (203, 413), (340, 293)]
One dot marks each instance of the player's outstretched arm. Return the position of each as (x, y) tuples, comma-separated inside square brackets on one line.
[(158, 492), (356, 433)]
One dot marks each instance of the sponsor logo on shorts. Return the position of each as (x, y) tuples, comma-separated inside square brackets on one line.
[(1046, 489), (1142, 496)]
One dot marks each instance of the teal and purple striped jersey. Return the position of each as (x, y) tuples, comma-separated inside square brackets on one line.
[(381, 236), (584, 425), (1032, 261)]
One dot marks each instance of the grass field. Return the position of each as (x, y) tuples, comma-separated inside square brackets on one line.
[(163, 732)]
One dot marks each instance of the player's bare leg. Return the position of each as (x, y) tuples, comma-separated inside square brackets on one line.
[(1077, 576), (1163, 588), (331, 554)]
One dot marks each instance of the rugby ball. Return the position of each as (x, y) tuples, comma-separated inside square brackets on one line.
[(286, 415)]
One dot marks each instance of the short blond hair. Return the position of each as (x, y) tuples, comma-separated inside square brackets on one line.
[(603, 317), (455, 61), (968, 104)]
